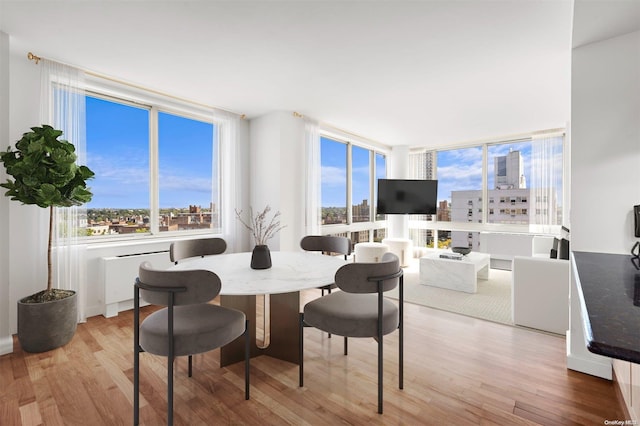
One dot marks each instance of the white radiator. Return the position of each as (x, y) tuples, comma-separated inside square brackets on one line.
[(120, 272)]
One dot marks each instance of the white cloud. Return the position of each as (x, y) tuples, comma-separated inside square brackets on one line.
[(175, 182), (119, 170), (333, 176)]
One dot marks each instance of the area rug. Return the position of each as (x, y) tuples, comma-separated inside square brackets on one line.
[(492, 302)]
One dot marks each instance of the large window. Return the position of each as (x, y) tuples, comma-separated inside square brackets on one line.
[(508, 182), (459, 174), (333, 159), (186, 173), (118, 153), (361, 184), (348, 187), (519, 187), (156, 170)]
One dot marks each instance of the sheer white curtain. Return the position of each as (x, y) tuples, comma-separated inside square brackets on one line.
[(546, 182), (62, 105), (231, 176), (313, 168)]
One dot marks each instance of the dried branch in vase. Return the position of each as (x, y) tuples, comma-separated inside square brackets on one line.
[(261, 229)]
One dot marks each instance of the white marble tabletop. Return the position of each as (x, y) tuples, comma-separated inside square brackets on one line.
[(291, 271)]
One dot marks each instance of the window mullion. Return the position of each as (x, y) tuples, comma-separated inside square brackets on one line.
[(154, 211), (372, 183), (485, 182), (349, 184)]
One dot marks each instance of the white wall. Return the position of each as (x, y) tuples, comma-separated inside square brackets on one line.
[(242, 185), (26, 226), (605, 166), (605, 138), (276, 155), (6, 343)]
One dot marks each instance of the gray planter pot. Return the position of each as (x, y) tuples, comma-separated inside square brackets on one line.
[(46, 326)]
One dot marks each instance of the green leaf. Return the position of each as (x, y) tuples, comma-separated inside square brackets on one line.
[(45, 170)]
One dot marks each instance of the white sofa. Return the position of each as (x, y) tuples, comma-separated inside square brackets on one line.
[(503, 246), (541, 246), (540, 291)]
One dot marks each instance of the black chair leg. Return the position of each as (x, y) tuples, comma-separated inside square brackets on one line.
[(401, 356), (380, 375), (136, 357), (328, 292), (247, 357), (301, 349), (190, 365), (136, 387), (170, 361), (380, 346), (345, 345), (401, 333)]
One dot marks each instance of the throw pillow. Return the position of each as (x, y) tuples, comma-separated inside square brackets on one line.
[(563, 249), (554, 249)]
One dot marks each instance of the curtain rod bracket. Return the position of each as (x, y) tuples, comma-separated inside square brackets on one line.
[(33, 57)]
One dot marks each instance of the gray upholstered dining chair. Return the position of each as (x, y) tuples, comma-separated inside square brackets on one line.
[(183, 249), (327, 244), (360, 309), (188, 324)]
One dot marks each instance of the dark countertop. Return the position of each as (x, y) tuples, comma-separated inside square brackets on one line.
[(610, 298)]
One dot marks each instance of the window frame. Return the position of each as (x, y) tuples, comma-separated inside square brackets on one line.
[(374, 148), (435, 225), (156, 102)]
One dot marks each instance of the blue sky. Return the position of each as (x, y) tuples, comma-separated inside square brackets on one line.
[(118, 153), (333, 157), (334, 173), (461, 169)]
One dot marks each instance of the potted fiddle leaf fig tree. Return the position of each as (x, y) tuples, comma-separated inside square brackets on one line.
[(45, 173)]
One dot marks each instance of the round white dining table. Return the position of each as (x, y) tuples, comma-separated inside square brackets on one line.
[(291, 272)]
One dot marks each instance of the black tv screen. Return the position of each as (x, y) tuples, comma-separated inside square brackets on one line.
[(407, 196)]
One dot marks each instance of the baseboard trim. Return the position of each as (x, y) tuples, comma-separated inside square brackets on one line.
[(6, 345), (590, 363), (589, 367)]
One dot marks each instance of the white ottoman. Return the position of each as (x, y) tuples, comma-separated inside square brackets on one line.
[(401, 247), (369, 252)]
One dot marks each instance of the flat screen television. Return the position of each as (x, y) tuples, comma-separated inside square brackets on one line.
[(407, 196)]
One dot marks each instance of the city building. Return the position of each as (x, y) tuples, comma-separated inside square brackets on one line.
[(422, 165), (509, 171), (509, 203)]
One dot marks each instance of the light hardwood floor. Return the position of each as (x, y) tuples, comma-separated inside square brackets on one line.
[(458, 371)]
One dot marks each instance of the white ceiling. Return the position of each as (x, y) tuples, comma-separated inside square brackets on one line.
[(417, 73), (603, 19)]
